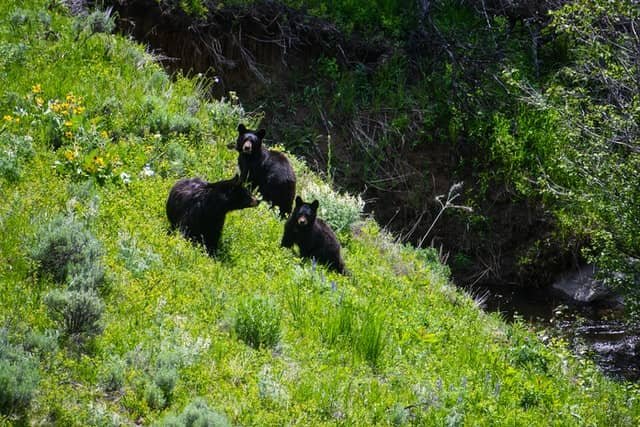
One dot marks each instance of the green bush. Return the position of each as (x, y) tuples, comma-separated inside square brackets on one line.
[(154, 396), (66, 250), (113, 376), (196, 414), (15, 151), (340, 211), (257, 322), (19, 378), (98, 21), (79, 313)]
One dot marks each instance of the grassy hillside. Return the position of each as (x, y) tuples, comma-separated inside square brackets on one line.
[(108, 319)]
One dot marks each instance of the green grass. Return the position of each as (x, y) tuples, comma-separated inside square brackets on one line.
[(392, 343)]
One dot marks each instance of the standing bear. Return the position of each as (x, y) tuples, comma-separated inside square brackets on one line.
[(198, 208), (267, 170), (312, 235)]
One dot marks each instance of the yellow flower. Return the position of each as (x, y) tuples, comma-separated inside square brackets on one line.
[(39, 101), (68, 134), (78, 110), (7, 118), (17, 119), (104, 134), (68, 123), (69, 155), (98, 161), (70, 97), (36, 88)]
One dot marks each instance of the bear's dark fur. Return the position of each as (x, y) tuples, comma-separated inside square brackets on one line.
[(312, 235), (267, 170), (198, 208)]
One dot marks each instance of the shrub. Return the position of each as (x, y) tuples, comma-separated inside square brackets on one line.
[(14, 152), (112, 378), (78, 312), (196, 414), (165, 378), (340, 211), (136, 259), (154, 396), (19, 378), (66, 250), (41, 344), (98, 21), (257, 322)]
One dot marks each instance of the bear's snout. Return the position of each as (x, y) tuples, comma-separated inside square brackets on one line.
[(302, 220), (247, 147)]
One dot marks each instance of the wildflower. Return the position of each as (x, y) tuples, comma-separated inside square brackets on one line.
[(70, 155), (104, 134), (39, 101), (68, 134), (125, 177), (98, 161), (7, 118), (68, 123), (78, 110), (36, 88), (147, 172)]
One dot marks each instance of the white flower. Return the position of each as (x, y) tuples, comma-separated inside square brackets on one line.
[(125, 177), (147, 172)]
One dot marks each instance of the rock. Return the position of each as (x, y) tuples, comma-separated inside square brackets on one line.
[(582, 286)]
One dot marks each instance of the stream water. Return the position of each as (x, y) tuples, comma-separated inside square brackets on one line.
[(592, 330)]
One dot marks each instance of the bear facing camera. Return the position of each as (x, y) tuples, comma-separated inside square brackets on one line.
[(313, 236), (267, 170)]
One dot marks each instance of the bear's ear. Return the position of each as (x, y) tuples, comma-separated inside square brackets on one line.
[(242, 129), (261, 133), (298, 201), (314, 205)]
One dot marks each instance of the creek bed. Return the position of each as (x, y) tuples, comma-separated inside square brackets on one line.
[(593, 330)]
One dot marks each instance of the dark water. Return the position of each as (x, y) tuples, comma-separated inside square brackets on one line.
[(594, 330)]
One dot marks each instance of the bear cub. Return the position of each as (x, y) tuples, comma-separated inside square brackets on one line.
[(312, 235), (267, 170), (198, 208)]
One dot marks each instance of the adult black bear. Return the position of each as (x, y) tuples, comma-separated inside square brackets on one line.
[(198, 208), (267, 170), (312, 235)]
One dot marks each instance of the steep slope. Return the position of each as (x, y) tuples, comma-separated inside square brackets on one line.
[(109, 319)]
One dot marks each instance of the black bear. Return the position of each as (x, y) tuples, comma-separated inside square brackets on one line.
[(267, 170), (198, 208), (312, 235)]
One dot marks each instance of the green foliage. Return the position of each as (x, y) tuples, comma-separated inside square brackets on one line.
[(257, 322), (15, 151), (19, 378), (95, 22), (340, 211), (66, 250), (79, 313), (196, 414), (112, 379)]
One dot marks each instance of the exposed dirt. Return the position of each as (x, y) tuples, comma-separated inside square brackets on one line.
[(269, 49)]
